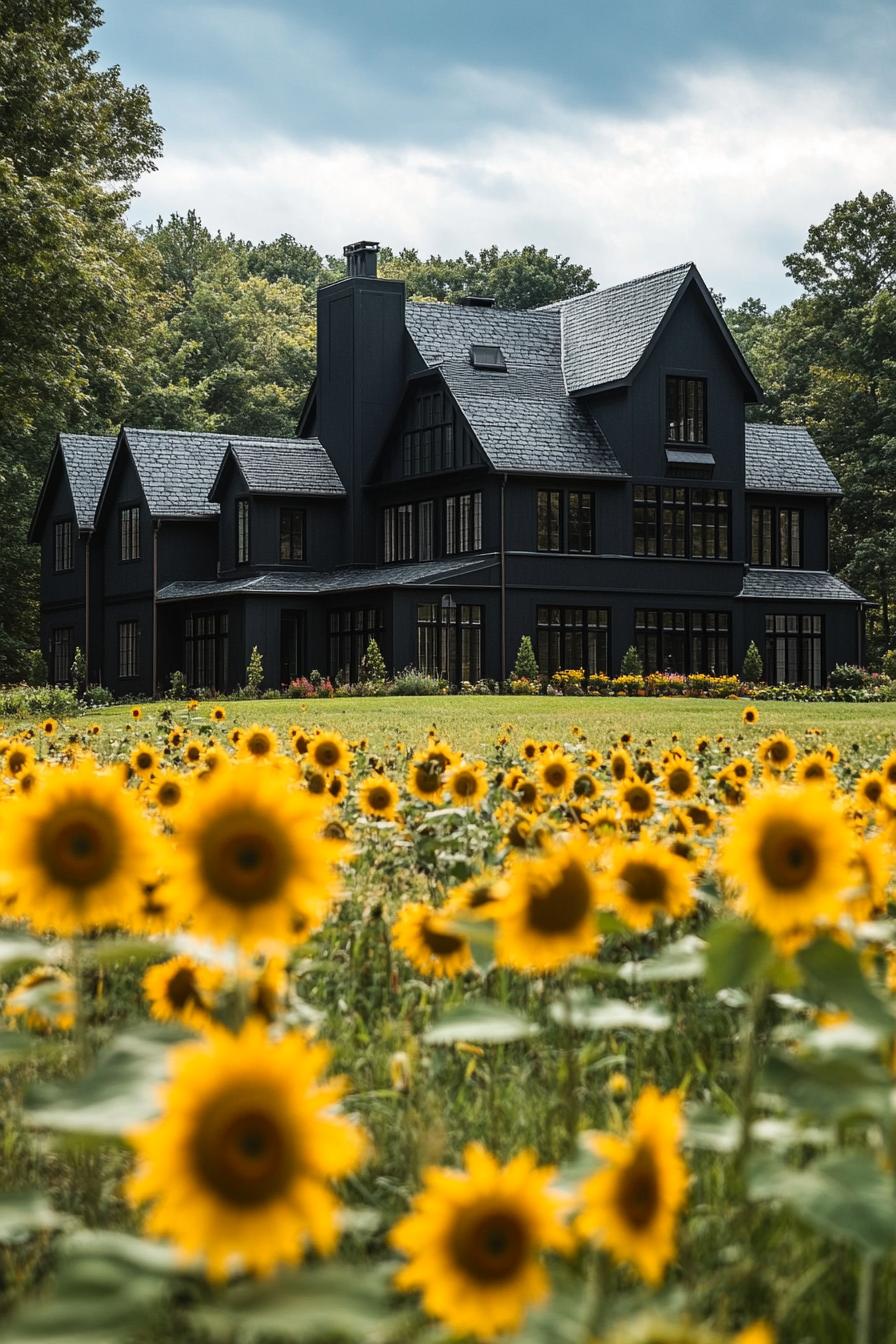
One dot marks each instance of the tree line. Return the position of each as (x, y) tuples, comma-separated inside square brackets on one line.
[(173, 326)]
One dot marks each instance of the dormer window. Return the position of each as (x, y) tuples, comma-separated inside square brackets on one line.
[(63, 546), (242, 531), (685, 409), (488, 357)]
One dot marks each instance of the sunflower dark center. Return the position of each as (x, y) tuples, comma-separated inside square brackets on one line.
[(182, 989), (788, 857), (556, 775), (644, 883), (439, 942), (561, 905), (618, 768), (465, 784), (144, 760), (243, 1151), (326, 754), (778, 752), (428, 777), (815, 770), (257, 744), (490, 1245), (169, 793), (80, 846), (679, 780), (244, 863), (638, 1192), (379, 798), (638, 799), (873, 790)]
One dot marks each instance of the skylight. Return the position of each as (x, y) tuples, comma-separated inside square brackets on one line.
[(488, 357)]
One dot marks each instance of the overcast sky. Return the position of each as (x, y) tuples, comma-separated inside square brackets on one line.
[(629, 135)]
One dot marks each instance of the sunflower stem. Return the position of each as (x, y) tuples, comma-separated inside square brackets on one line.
[(80, 1034), (748, 1064), (865, 1301), (571, 1081)]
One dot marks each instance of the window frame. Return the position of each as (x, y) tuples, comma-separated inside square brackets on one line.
[(672, 631), (56, 645), (682, 380), (674, 511), (777, 514), (293, 513), (557, 627), (134, 532), (349, 631), (63, 528), (803, 641), (462, 523), (242, 531), (128, 649), (207, 648), (450, 640)]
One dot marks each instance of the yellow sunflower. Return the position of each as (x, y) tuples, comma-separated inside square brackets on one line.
[(425, 778), (750, 715), (524, 789), (430, 942), (249, 858), (136, 713), (238, 1168), (181, 990), (555, 772), (378, 797), (620, 765), (888, 768), (787, 854), (680, 779), (267, 992), (476, 896), (475, 1238), (815, 768), (193, 751), (530, 749), (869, 790), (871, 867), (329, 752), (49, 727), (43, 1000), (467, 783), (176, 736), (630, 1206), (636, 799), (152, 913), (217, 714), (777, 753), (646, 881), (702, 818), (144, 759), (167, 790), (546, 911), (19, 757), (74, 849), (257, 742)]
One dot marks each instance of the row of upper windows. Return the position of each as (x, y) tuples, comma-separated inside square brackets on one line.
[(293, 530), (419, 531)]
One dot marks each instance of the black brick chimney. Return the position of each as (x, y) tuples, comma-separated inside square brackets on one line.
[(360, 259)]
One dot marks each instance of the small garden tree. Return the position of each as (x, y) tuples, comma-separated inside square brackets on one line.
[(752, 668), (373, 665), (78, 671), (526, 666), (254, 673), (631, 663)]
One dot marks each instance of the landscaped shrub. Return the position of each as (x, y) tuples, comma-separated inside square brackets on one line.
[(523, 686), (36, 673), (526, 665), (847, 677), (373, 665), (99, 697), (177, 686), (631, 665), (37, 702), (752, 668), (888, 663), (409, 681), (305, 688), (254, 673), (79, 669)]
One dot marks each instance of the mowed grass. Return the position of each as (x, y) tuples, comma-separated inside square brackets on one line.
[(471, 722)]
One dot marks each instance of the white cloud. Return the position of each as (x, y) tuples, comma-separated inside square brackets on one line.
[(731, 174)]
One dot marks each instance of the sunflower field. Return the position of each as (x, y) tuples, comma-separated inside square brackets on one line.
[(573, 1042)]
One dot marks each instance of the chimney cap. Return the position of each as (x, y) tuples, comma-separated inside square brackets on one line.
[(364, 246), (476, 301)]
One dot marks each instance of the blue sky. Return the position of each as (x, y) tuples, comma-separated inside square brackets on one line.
[(628, 135)]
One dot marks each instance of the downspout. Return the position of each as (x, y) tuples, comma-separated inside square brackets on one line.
[(155, 607), (87, 610), (503, 589)]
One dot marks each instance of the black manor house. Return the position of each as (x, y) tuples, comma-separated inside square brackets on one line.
[(462, 476)]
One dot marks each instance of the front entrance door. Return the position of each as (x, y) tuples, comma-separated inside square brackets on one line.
[(292, 646)]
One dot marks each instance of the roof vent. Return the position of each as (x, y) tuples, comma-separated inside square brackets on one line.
[(476, 301), (489, 357), (360, 258)]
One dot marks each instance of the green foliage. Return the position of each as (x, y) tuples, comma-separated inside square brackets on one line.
[(35, 671), (79, 669), (254, 672), (409, 681), (37, 702), (631, 665), (373, 664), (526, 665), (177, 686), (752, 666), (524, 278)]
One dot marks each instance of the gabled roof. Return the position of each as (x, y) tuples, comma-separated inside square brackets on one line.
[(286, 583), (86, 459), (797, 585), (282, 467), (523, 419), (783, 459), (607, 334), (176, 469)]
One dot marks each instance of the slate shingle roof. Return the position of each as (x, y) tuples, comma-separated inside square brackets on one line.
[(286, 583), (797, 585), (605, 332), (287, 466), (785, 460), (87, 458), (523, 419)]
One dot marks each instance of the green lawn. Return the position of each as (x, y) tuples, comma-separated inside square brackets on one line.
[(471, 722)]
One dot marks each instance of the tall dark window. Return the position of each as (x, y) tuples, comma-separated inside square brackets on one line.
[(685, 410), (790, 548), (682, 641), (292, 535), (580, 522), (129, 532), (206, 645), (61, 653), (680, 522), (407, 532), (548, 522), (449, 640), (350, 631), (428, 442), (794, 652), (463, 523), (242, 531), (572, 637), (63, 546), (425, 530), (776, 537), (762, 536), (128, 649)]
